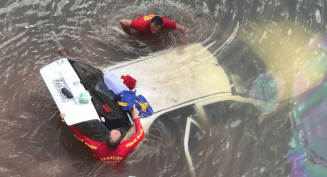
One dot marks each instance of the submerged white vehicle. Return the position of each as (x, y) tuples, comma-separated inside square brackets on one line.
[(191, 89)]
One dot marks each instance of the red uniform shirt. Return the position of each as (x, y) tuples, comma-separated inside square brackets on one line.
[(102, 152), (142, 24)]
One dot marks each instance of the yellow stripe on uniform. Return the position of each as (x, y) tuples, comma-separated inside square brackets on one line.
[(148, 17), (138, 137), (131, 143)]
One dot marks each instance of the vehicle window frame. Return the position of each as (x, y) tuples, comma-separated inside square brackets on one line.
[(204, 121), (189, 122), (199, 106)]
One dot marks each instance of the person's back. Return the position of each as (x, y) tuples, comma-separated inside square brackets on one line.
[(113, 150)]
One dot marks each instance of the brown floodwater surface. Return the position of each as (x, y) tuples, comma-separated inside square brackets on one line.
[(272, 36)]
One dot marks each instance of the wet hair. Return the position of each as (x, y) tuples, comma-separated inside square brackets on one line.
[(113, 144), (157, 20)]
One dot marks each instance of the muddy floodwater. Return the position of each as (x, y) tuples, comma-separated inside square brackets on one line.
[(273, 51)]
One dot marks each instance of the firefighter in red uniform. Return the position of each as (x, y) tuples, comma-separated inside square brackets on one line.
[(113, 150), (151, 24)]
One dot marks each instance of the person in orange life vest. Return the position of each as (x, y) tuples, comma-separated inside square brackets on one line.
[(113, 150), (151, 24)]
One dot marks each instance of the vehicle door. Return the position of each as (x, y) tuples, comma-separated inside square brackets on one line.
[(231, 125)]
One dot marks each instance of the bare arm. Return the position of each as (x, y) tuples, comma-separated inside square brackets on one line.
[(126, 25), (181, 28), (183, 39)]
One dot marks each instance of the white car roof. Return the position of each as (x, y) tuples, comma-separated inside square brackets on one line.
[(171, 79)]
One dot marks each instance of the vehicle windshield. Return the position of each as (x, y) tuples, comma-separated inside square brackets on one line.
[(92, 79), (178, 132), (233, 130), (243, 74)]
